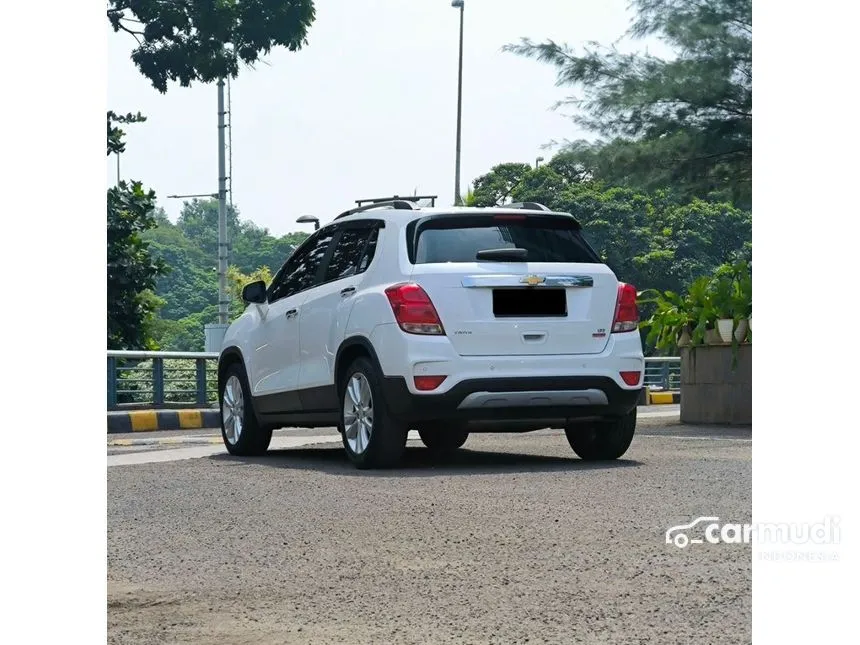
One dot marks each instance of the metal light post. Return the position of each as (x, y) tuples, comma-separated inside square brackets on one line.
[(117, 169), (457, 201), (309, 219), (215, 332), (223, 299), (537, 162)]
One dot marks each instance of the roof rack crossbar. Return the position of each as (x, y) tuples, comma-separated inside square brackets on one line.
[(398, 204), (409, 198), (532, 206)]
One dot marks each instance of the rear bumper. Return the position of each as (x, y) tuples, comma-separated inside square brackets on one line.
[(409, 355), (513, 399)]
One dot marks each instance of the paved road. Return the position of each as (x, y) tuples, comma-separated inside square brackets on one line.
[(514, 540)]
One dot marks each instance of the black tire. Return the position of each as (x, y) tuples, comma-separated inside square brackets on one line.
[(253, 439), (387, 437), (443, 441), (602, 440)]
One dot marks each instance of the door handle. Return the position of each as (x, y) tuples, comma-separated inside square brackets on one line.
[(348, 291), (292, 313)]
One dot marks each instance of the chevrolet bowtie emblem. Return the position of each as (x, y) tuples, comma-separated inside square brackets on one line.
[(533, 280)]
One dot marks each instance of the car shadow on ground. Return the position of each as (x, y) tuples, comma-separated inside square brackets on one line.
[(420, 462)]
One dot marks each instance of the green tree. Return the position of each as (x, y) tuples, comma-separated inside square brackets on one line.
[(236, 281), (251, 246), (192, 283), (160, 216), (683, 124), (186, 334), (495, 187), (189, 40), (189, 292), (198, 221), (115, 134), (131, 270), (646, 238)]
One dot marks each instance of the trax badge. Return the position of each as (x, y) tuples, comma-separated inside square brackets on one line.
[(533, 280)]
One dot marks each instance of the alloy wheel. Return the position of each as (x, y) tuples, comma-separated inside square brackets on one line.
[(358, 413), (233, 410)]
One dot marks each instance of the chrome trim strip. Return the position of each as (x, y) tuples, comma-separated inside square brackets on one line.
[(511, 280)]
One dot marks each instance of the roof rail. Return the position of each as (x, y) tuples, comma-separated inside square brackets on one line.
[(532, 206), (398, 204), (412, 198)]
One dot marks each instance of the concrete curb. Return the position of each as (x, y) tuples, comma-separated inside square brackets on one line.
[(151, 420)]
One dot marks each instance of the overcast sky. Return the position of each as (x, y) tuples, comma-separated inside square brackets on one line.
[(366, 109)]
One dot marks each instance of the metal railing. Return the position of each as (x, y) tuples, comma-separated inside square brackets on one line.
[(663, 372), (161, 379), (189, 379)]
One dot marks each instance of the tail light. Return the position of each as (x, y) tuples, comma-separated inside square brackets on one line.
[(413, 310), (626, 311)]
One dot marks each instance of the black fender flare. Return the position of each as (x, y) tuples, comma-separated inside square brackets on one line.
[(351, 343), (229, 355)]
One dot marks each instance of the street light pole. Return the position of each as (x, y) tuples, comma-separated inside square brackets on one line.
[(457, 199), (309, 219), (223, 301), (117, 169)]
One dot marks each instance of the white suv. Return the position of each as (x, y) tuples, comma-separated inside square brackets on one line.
[(446, 321)]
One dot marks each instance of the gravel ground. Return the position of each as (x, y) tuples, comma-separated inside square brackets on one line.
[(514, 540)]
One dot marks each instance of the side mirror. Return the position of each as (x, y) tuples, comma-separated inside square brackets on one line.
[(254, 292)]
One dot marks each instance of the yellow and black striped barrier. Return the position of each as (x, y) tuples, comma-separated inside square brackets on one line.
[(660, 397), (150, 420)]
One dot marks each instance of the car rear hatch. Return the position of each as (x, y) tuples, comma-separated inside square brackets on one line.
[(514, 284)]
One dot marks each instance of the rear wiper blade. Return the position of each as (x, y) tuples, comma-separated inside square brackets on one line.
[(503, 255)]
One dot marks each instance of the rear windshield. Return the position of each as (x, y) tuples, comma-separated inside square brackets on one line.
[(458, 239)]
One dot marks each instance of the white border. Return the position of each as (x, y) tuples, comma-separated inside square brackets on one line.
[(53, 255), (804, 229), (53, 260)]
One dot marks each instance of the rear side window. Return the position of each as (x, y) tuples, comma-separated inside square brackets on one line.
[(369, 251), (350, 254), (459, 239)]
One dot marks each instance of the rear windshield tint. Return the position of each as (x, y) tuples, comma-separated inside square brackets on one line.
[(458, 239)]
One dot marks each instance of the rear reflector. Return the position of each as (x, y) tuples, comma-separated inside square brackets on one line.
[(631, 378), (425, 383), (414, 310), (626, 311)]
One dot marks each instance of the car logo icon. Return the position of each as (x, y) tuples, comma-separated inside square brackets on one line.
[(533, 280), (676, 535)]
